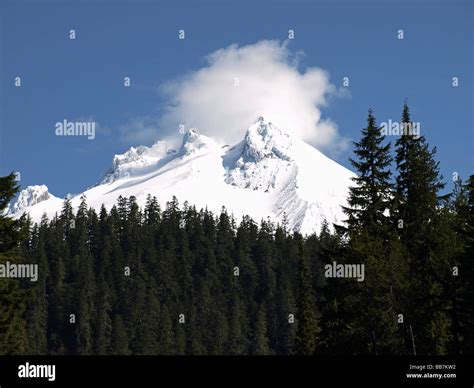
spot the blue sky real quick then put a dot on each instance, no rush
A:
(83, 78)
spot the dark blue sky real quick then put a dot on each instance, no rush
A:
(83, 78)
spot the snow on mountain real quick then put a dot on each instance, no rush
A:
(193, 142)
(271, 173)
(262, 158)
(136, 161)
(31, 196)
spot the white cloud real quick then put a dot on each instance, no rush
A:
(269, 85)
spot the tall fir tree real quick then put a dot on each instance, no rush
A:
(416, 213)
(306, 317)
(464, 290)
(13, 299)
(370, 245)
(369, 199)
(37, 311)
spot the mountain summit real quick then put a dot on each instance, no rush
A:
(270, 173)
(263, 140)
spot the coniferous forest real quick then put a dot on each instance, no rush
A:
(171, 279)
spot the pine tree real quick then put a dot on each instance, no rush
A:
(85, 283)
(464, 290)
(416, 215)
(336, 318)
(103, 325)
(224, 252)
(37, 312)
(417, 184)
(283, 327)
(369, 199)
(371, 305)
(306, 317)
(248, 275)
(13, 335)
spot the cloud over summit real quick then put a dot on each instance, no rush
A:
(240, 83)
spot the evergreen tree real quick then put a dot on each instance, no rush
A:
(13, 335)
(370, 244)
(463, 289)
(306, 318)
(416, 215)
(283, 329)
(369, 199)
(37, 311)
(84, 284)
(103, 325)
(336, 318)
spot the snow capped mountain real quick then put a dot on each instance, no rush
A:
(193, 142)
(31, 196)
(271, 173)
(261, 158)
(136, 161)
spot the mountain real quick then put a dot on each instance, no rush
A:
(270, 173)
(31, 196)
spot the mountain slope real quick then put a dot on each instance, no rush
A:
(269, 174)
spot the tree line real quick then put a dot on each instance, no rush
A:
(170, 279)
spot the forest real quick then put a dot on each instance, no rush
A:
(170, 279)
